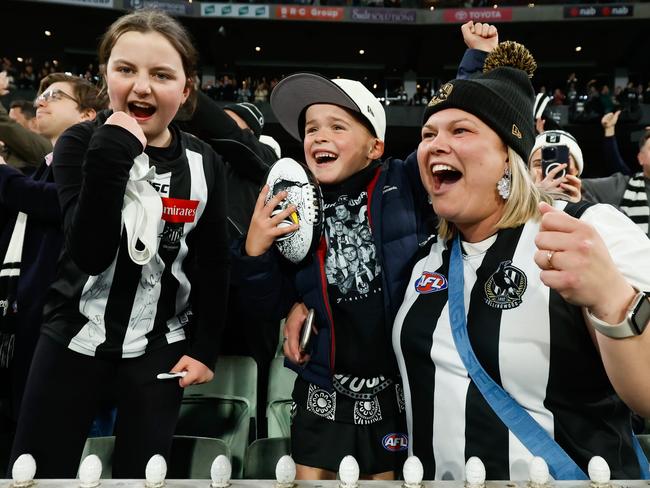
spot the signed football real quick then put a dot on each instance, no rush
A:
(303, 192)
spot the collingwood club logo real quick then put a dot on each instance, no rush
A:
(505, 287)
(442, 94)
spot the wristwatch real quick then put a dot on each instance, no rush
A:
(635, 321)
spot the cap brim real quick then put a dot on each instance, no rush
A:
(296, 92)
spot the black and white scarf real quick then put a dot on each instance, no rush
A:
(9, 274)
(635, 202)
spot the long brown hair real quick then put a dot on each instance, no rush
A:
(151, 20)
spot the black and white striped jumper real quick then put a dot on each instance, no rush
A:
(532, 342)
(105, 305)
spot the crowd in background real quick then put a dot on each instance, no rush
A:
(587, 100)
(593, 99)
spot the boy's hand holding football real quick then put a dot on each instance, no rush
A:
(263, 229)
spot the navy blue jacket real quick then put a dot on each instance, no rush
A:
(401, 220)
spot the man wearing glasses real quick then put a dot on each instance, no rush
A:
(21, 147)
(30, 219)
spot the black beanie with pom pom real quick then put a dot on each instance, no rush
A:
(502, 96)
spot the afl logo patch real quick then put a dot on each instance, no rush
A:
(430, 282)
(395, 442)
(505, 287)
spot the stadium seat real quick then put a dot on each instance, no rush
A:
(191, 457)
(262, 456)
(279, 351)
(225, 408)
(219, 416)
(278, 410)
(102, 447)
(233, 376)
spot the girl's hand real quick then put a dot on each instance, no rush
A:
(121, 119)
(197, 372)
(263, 229)
(575, 262)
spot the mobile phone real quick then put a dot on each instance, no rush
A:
(307, 332)
(553, 156)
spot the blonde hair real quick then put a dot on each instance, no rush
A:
(521, 205)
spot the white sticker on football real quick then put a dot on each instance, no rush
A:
(303, 192)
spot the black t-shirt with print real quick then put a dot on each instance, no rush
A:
(354, 283)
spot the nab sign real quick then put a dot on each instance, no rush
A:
(597, 11)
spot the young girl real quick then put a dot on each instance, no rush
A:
(116, 317)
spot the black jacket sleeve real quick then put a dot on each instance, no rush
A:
(38, 199)
(91, 169)
(212, 125)
(613, 157)
(212, 270)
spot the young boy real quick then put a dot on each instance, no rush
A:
(348, 395)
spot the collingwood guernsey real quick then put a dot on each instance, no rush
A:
(105, 305)
(529, 340)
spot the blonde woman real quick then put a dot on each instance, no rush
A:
(542, 295)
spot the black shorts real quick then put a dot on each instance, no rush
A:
(321, 443)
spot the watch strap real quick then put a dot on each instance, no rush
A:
(638, 313)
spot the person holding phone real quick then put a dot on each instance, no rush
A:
(556, 164)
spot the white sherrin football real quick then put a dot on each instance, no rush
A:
(303, 192)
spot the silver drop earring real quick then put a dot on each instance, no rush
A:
(503, 185)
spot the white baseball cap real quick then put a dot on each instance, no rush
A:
(559, 138)
(293, 94)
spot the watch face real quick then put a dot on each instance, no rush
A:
(641, 315)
